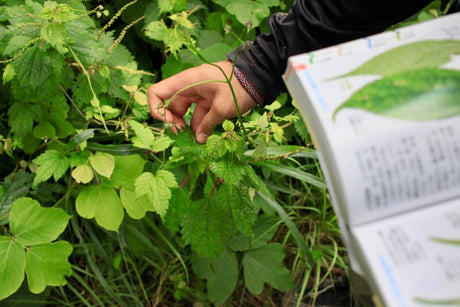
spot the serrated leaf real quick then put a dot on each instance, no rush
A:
(50, 163)
(417, 95)
(55, 34)
(12, 266)
(102, 203)
(36, 68)
(32, 224)
(250, 13)
(88, 50)
(47, 265)
(230, 170)
(156, 30)
(15, 43)
(207, 227)
(157, 188)
(178, 206)
(103, 163)
(161, 144)
(127, 169)
(22, 116)
(15, 186)
(221, 275)
(83, 173)
(144, 136)
(264, 265)
(237, 198)
(418, 55)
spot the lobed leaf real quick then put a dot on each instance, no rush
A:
(12, 266)
(32, 224)
(51, 163)
(47, 265)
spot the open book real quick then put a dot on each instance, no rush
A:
(384, 115)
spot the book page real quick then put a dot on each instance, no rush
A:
(385, 111)
(414, 258)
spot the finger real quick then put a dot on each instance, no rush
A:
(209, 121)
(198, 115)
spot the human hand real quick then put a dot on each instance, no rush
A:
(214, 100)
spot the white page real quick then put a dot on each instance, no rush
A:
(351, 133)
(407, 260)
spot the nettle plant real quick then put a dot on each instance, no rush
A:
(77, 126)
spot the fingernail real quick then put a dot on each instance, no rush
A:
(201, 138)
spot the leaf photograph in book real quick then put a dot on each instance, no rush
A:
(414, 86)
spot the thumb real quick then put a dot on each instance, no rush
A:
(204, 130)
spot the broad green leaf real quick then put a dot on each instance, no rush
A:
(135, 207)
(238, 199)
(127, 169)
(44, 130)
(12, 266)
(50, 163)
(103, 163)
(156, 30)
(55, 34)
(250, 13)
(102, 203)
(87, 49)
(161, 144)
(264, 229)
(32, 224)
(264, 265)
(15, 43)
(83, 173)
(414, 56)
(144, 136)
(157, 188)
(22, 117)
(230, 170)
(58, 13)
(47, 265)
(207, 227)
(16, 185)
(36, 67)
(178, 206)
(221, 275)
(417, 95)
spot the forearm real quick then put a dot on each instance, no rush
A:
(310, 25)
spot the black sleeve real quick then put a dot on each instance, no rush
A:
(310, 25)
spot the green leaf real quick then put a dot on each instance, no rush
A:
(31, 224)
(135, 207)
(178, 206)
(12, 266)
(102, 203)
(250, 13)
(157, 188)
(15, 43)
(87, 49)
(15, 186)
(47, 265)
(36, 68)
(156, 30)
(83, 173)
(423, 54)
(22, 116)
(144, 136)
(264, 265)
(55, 34)
(264, 229)
(238, 199)
(8, 73)
(103, 163)
(221, 275)
(207, 227)
(230, 170)
(44, 130)
(295, 173)
(161, 144)
(50, 163)
(417, 95)
(127, 169)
